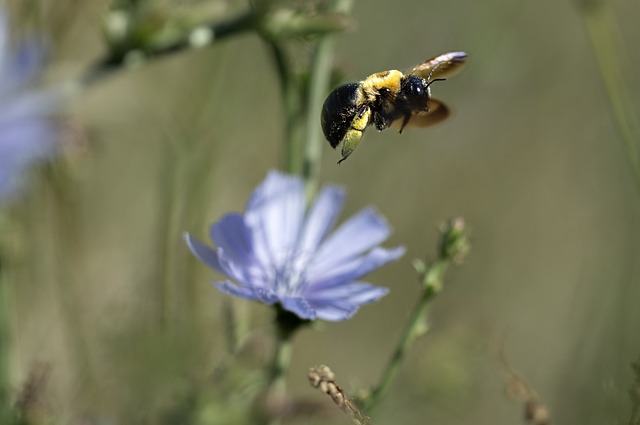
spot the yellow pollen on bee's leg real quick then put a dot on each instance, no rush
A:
(354, 134)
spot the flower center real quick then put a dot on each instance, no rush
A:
(289, 272)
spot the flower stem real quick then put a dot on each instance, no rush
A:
(606, 44)
(117, 60)
(280, 363)
(634, 394)
(452, 249)
(415, 327)
(5, 332)
(292, 107)
(318, 88)
(286, 324)
(320, 72)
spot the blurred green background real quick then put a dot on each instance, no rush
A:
(107, 294)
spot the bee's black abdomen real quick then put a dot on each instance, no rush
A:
(338, 112)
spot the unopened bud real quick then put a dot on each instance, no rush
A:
(454, 242)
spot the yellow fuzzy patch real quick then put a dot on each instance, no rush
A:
(370, 87)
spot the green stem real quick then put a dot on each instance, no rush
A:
(292, 107)
(66, 246)
(277, 387)
(116, 60)
(606, 44)
(165, 275)
(312, 154)
(634, 394)
(286, 324)
(5, 337)
(416, 326)
(318, 88)
(280, 363)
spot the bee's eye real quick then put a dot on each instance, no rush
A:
(384, 91)
(414, 87)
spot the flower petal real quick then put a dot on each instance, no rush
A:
(203, 253)
(212, 258)
(20, 60)
(360, 233)
(299, 306)
(232, 235)
(354, 294)
(321, 218)
(354, 269)
(248, 293)
(342, 302)
(275, 214)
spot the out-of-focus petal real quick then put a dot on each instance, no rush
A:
(204, 253)
(231, 234)
(351, 294)
(299, 306)
(340, 303)
(321, 218)
(355, 268)
(27, 131)
(214, 259)
(359, 234)
(247, 293)
(276, 213)
(335, 313)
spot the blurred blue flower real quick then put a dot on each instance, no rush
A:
(280, 252)
(27, 132)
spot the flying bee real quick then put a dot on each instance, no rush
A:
(387, 98)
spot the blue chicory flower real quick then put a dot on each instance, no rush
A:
(27, 132)
(280, 252)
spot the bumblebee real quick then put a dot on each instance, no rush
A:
(387, 98)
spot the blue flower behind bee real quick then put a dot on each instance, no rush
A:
(27, 132)
(279, 251)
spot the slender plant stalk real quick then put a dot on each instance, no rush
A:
(115, 61)
(318, 88)
(170, 227)
(414, 328)
(286, 325)
(453, 247)
(277, 383)
(292, 107)
(319, 84)
(280, 363)
(5, 336)
(66, 237)
(607, 45)
(634, 394)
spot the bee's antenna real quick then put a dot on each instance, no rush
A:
(431, 73)
(429, 82)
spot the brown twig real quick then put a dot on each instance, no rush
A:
(323, 378)
(517, 388)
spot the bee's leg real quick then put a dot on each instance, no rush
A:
(380, 121)
(376, 118)
(354, 134)
(405, 120)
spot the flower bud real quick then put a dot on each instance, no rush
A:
(454, 242)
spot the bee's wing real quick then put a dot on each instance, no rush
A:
(437, 112)
(442, 66)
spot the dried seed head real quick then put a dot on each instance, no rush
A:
(536, 412)
(323, 378)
